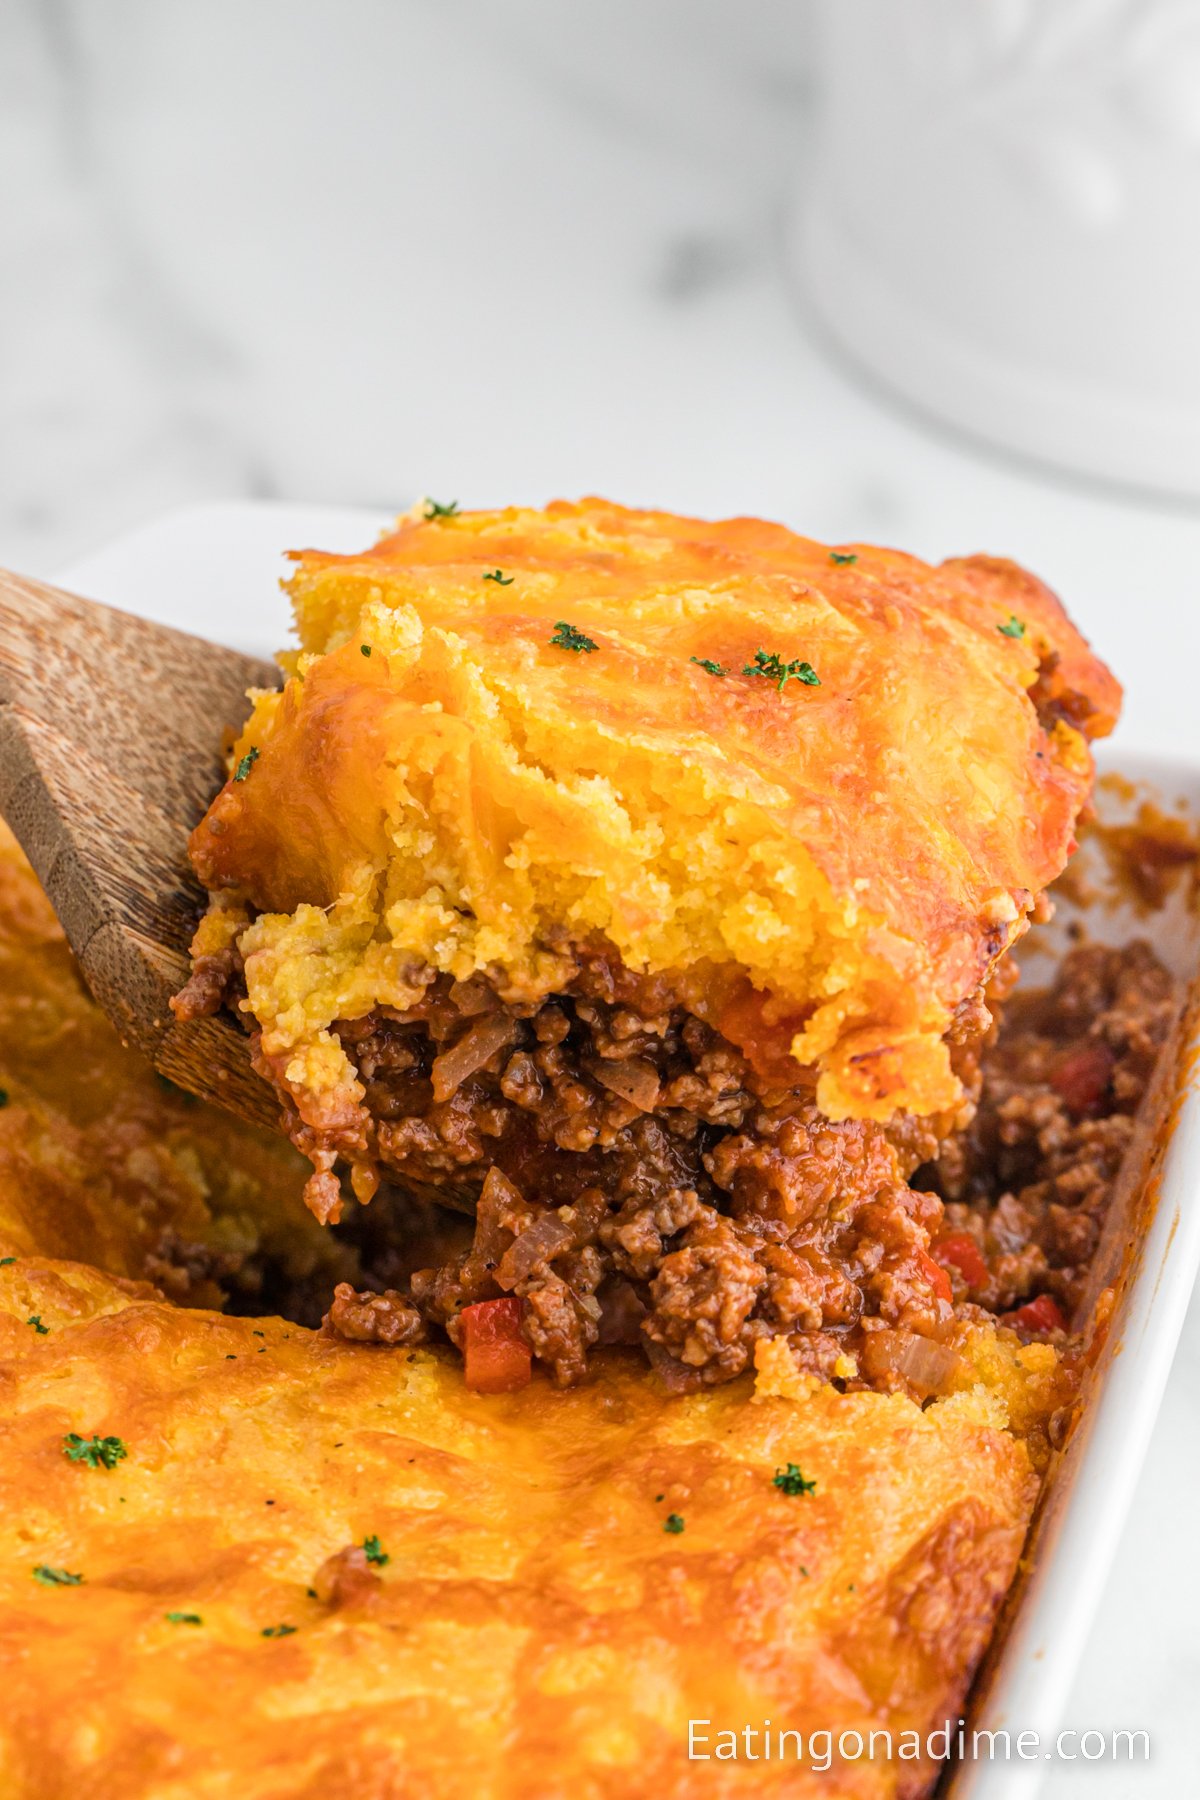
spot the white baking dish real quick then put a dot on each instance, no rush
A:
(213, 569)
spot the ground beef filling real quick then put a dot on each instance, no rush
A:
(1030, 1178)
(627, 1176)
(634, 1181)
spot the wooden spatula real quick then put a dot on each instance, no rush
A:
(110, 738)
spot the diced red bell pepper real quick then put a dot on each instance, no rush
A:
(496, 1358)
(1082, 1077)
(959, 1249)
(1043, 1313)
(936, 1276)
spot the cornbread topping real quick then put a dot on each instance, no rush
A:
(642, 886)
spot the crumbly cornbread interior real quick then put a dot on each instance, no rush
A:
(508, 733)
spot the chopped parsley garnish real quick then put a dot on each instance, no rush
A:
(843, 556)
(5, 1260)
(567, 638)
(773, 667)
(364, 649)
(673, 1523)
(35, 1319)
(55, 1577)
(375, 1552)
(278, 1630)
(790, 1481)
(710, 667)
(247, 763)
(499, 577)
(184, 1618)
(96, 1452)
(3, 1096)
(434, 510)
(1014, 629)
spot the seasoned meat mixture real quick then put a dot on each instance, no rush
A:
(634, 1178)
(1028, 1182)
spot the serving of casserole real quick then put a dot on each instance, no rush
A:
(708, 1247)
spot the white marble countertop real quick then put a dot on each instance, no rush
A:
(501, 250)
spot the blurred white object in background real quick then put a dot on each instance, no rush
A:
(1004, 221)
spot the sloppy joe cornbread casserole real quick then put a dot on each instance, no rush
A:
(644, 885)
(650, 1006)
(237, 1554)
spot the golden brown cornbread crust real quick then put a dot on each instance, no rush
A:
(535, 1631)
(441, 785)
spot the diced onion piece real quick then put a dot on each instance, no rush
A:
(634, 1080)
(498, 1191)
(498, 1202)
(496, 1358)
(541, 1239)
(478, 1044)
(472, 996)
(930, 1367)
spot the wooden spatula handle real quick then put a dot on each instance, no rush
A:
(110, 739)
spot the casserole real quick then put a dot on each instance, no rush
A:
(537, 883)
(1013, 1638)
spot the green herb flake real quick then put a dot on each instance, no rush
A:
(673, 1523)
(35, 1319)
(184, 1618)
(278, 1630)
(710, 667)
(499, 577)
(843, 556)
(364, 649)
(773, 668)
(247, 763)
(434, 509)
(96, 1452)
(567, 638)
(55, 1577)
(790, 1481)
(1015, 627)
(375, 1552)
(3, 1096)
(5, 1260)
